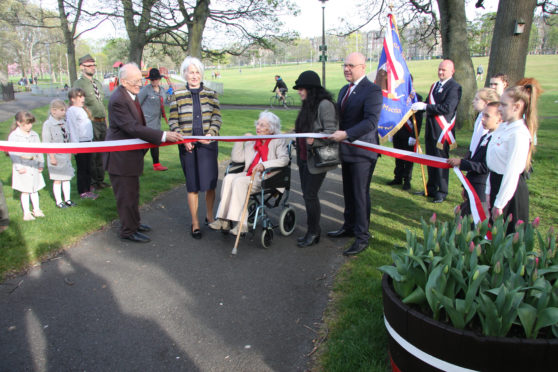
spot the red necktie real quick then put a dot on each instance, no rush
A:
(347, 96)
(140, 112)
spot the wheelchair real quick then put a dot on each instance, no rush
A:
(269, 197)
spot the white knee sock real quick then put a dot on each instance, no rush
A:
(25, 202)
(35, 201)
(57, 191)
(66, 189)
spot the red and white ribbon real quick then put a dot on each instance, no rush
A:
(446, 127)
(137, 144)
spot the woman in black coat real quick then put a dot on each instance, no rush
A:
(317, 115)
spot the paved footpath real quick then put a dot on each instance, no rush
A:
(22, 101)
(175, 304)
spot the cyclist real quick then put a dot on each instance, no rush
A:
(280, 89)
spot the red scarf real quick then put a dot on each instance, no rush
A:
(262, 149)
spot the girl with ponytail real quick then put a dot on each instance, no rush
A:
(509, 154)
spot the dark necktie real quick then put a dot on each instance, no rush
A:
(438, 87)
(140, 112)
(96, 90)
(347, 95)
(480, 143)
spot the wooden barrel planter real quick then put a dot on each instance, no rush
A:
(419, 343)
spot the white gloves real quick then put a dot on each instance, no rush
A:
(418, 106)
(412, 141)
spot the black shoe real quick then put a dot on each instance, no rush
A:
(196, 234)
(61, 205)
(406, 185)
(300, 239)
(394, 181)
(70, 203)
(421, 193)
(438, 200)
(310, 239)
(356, 248)
(137, 237)
(144, 228)
(341, 233)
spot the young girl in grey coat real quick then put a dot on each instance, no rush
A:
(59, 165)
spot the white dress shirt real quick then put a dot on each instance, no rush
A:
(507, 155)
(478, 132)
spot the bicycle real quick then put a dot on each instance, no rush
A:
(275, 101)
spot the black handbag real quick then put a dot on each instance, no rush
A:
(326, 155)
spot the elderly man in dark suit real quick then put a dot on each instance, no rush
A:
(359, 104)
(439, 136)
(124, 167)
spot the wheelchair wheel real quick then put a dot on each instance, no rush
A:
(266, 238)
(252, 206)
(287, 221)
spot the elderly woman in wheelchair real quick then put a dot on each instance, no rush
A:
(256, 156)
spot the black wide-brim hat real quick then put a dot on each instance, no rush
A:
(154, 74)
(307, 79)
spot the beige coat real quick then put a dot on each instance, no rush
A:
(235, 186)
(32, 180)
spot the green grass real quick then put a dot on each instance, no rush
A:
(356, 338)
(26, 243)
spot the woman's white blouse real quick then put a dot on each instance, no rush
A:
(507, 155)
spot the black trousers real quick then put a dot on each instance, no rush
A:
(154, 154)
(83, 165)
(97, 170)
(518, 206)
(356, 192)
(311, 184)
(126, 192)
(403, 168)
(438, 178)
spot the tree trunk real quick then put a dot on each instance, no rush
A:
(453, 24)
(69, 41)
(196, 27)
(508, 54)
(137, 43)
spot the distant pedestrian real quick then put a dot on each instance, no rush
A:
(60, 166)
(36, 80)
(79, 126)
(480, 72)
(27, 167)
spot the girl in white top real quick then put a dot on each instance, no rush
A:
(27, 168)
(59, 165)
(483, 97)
(80, 129)
(509, 154)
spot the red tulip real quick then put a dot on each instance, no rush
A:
(433, 218)
(536, 222)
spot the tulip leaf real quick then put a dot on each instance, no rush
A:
(416, 297)
(527, 316)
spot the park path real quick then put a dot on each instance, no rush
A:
(22, 101)
(175, 304)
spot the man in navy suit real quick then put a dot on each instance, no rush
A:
(124, 167)
(359, 105)
(439, 136)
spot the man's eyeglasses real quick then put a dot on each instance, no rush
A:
(134, 82)
(89, 65)
(350, 65)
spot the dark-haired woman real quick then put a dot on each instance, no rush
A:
(317, 115)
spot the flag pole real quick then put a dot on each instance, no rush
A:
(419, 151)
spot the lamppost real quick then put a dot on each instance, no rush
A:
(323, 47)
